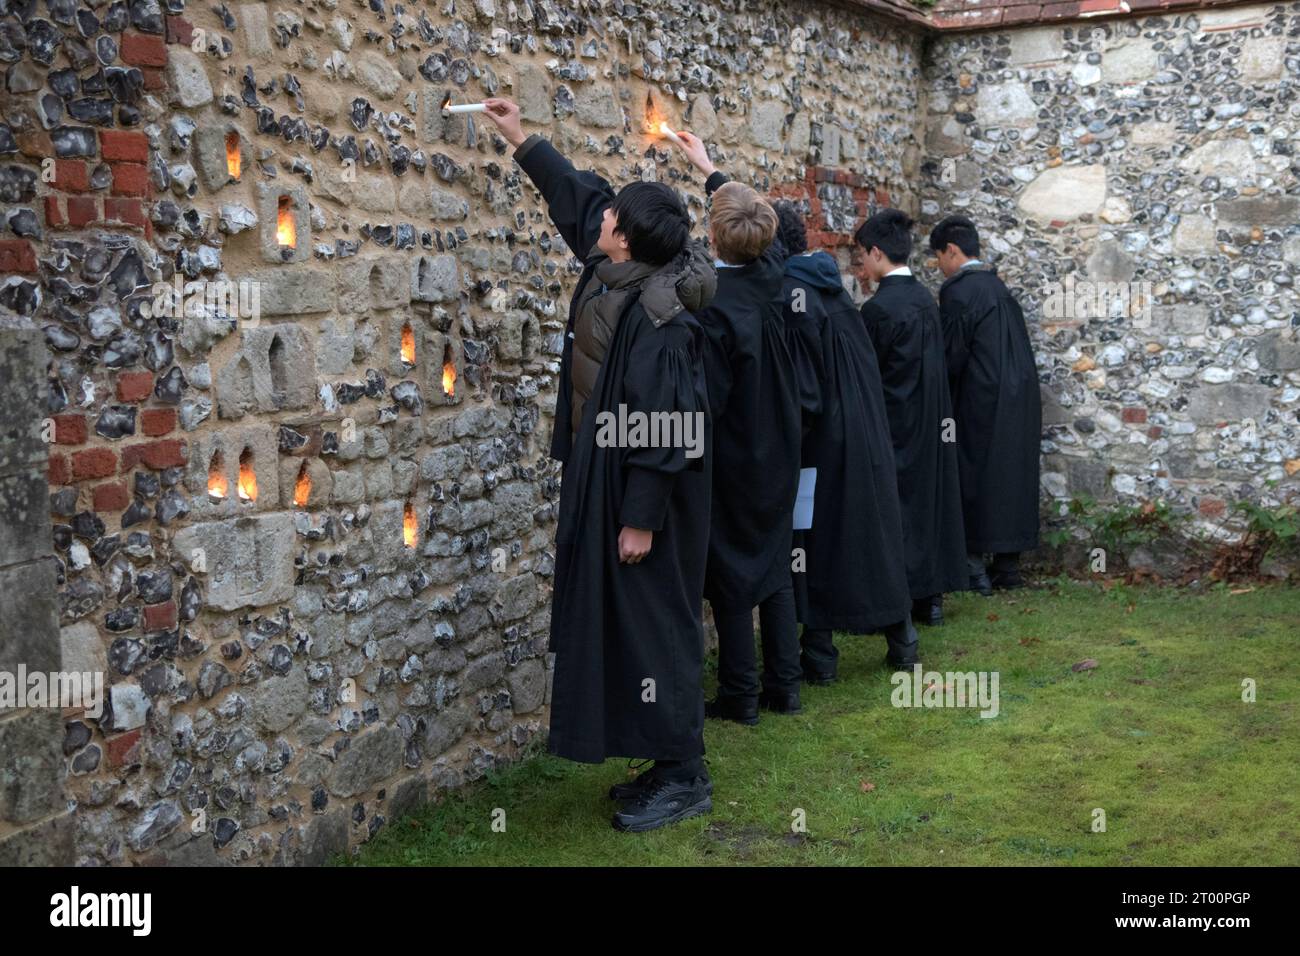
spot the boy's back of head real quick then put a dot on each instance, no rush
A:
(742, 222)
(653, 220)
(790, 227)
(890, 231)
(959, 231)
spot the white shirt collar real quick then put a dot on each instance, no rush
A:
(900, 271)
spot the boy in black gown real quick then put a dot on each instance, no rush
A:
(996, 402)
(855, 579)
(754, 402)
(903, 323)
(632, 533)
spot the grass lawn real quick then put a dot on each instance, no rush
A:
(1157, 735)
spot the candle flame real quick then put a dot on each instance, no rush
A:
(449, 379)
(232, 154)
(286, 233)
(410, 526)
(302, 489)
(218, 487)
(408, 345)
(247, 477)
(446, 102)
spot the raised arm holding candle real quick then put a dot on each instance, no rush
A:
(622, 615)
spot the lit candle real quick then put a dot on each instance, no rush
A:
(667, 131)
(463, 107)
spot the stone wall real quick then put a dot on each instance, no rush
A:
(303, 521)
(1161, 155)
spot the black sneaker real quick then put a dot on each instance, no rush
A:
(662, 803)
(928, 611)
(819, 678)
(781, 703)
(633, 788)
(730, 708)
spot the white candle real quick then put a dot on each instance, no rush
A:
(667, 131)
(466, 108)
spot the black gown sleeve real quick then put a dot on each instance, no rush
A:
(662, 376)
(956, 335)
(804, 321)
(575, 200)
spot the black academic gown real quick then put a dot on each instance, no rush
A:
(998, 409)
(903, 322)
(854, 578)
(755, 406)
(615, 628)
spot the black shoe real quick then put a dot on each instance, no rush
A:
(631, 789)
(980, 582)
(664, 802)
(730, 708)
(781, 703)
(819, 678)
(1006, 580)
(928, 610)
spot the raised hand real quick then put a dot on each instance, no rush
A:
(695, 150)
(505, 114)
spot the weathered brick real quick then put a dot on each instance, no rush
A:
(82, 211)
(59, 472)
(134, 386)
(130, 179)
(71, 175)
(123, 748)
(129, 211)
(129, 146)
(54, 217)
(112, 496)
(160, 617)
(140, 49)
(70, 429)
(17, 255)
(155, 422)
(180, 30)
(93, 463)
(157, 455)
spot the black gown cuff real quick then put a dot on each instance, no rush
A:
(645, 500)
(715, 180)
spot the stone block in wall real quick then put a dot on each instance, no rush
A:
(273, 370)
(1230, 402)
(373, 282)
(23, 357)
(1087, 477)
(1036, 45)
(1065, 193)
(376, 74)
(437, 126)
(1262, 59)
(1133, 61)
(518, 336)
(277, 701)
(29, 629)
(767, 123)
(1183, 318)
(423, 200)
(336, 345)
(946, 138)
(292, 198)
(47, 843)
(208, 149)
(702, 118)
(515, 598)
(532, 91)
(372, 757)
(1006, 104)
(1110, 263)
(254, 30)
(31, 764)
(1221, 157)
(82, 650)
(434, 278)
(596, 105)
(1264, 212)
(527, 686)
(24, 515)
(1195, 235)
(318, 484)
(222, 452)
(249, 560)
(187, 78)
(1278, 351)
(322, 838)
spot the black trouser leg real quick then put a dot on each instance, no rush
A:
(781, 670)
(904, 644)
(737, 662)
(679, 770)
(1007, 562)
(819, 656)
(975, 564)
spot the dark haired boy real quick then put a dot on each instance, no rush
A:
(632, 533)
(997, 405)
(903, 323)
(855, 578)
(753, 397)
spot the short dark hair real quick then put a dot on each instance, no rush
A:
(653, 220)
(790, 229)
(959, 231)
(890, 231)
